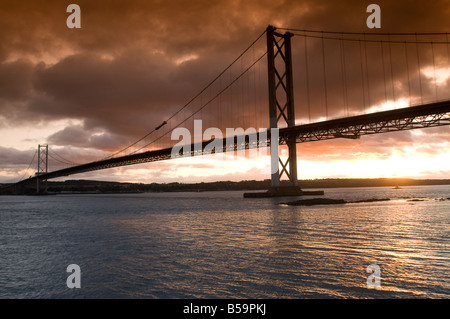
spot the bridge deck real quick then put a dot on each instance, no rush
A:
(427, 115)
(421, 116)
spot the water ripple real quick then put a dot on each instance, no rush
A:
(219, 245)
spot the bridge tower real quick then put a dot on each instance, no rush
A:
(281, 106)
(42, 167)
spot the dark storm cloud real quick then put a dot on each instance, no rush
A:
(176, 26)
(15, 90)
(119, 74)
(78, 136)
(15, 80)
(126, 95)
(11, 157)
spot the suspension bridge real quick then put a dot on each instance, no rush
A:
(346, 85)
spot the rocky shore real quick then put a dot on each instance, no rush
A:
(329, 201)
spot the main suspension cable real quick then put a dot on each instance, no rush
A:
(190, 101)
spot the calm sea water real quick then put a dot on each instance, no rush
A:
(220, 245)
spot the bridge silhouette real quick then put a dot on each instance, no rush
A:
(350, 85)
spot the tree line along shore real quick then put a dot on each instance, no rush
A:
(88, 186)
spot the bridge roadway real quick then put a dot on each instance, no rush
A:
(413, 117)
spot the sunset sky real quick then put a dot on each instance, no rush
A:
(92, 91)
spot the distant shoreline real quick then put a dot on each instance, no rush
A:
(102, 187)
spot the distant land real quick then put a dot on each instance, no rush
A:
(89, 186)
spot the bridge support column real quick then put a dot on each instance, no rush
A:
(42, 167)
(282, 114)
(281, 102)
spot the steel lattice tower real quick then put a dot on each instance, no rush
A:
(281, 101)
(42, 167)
